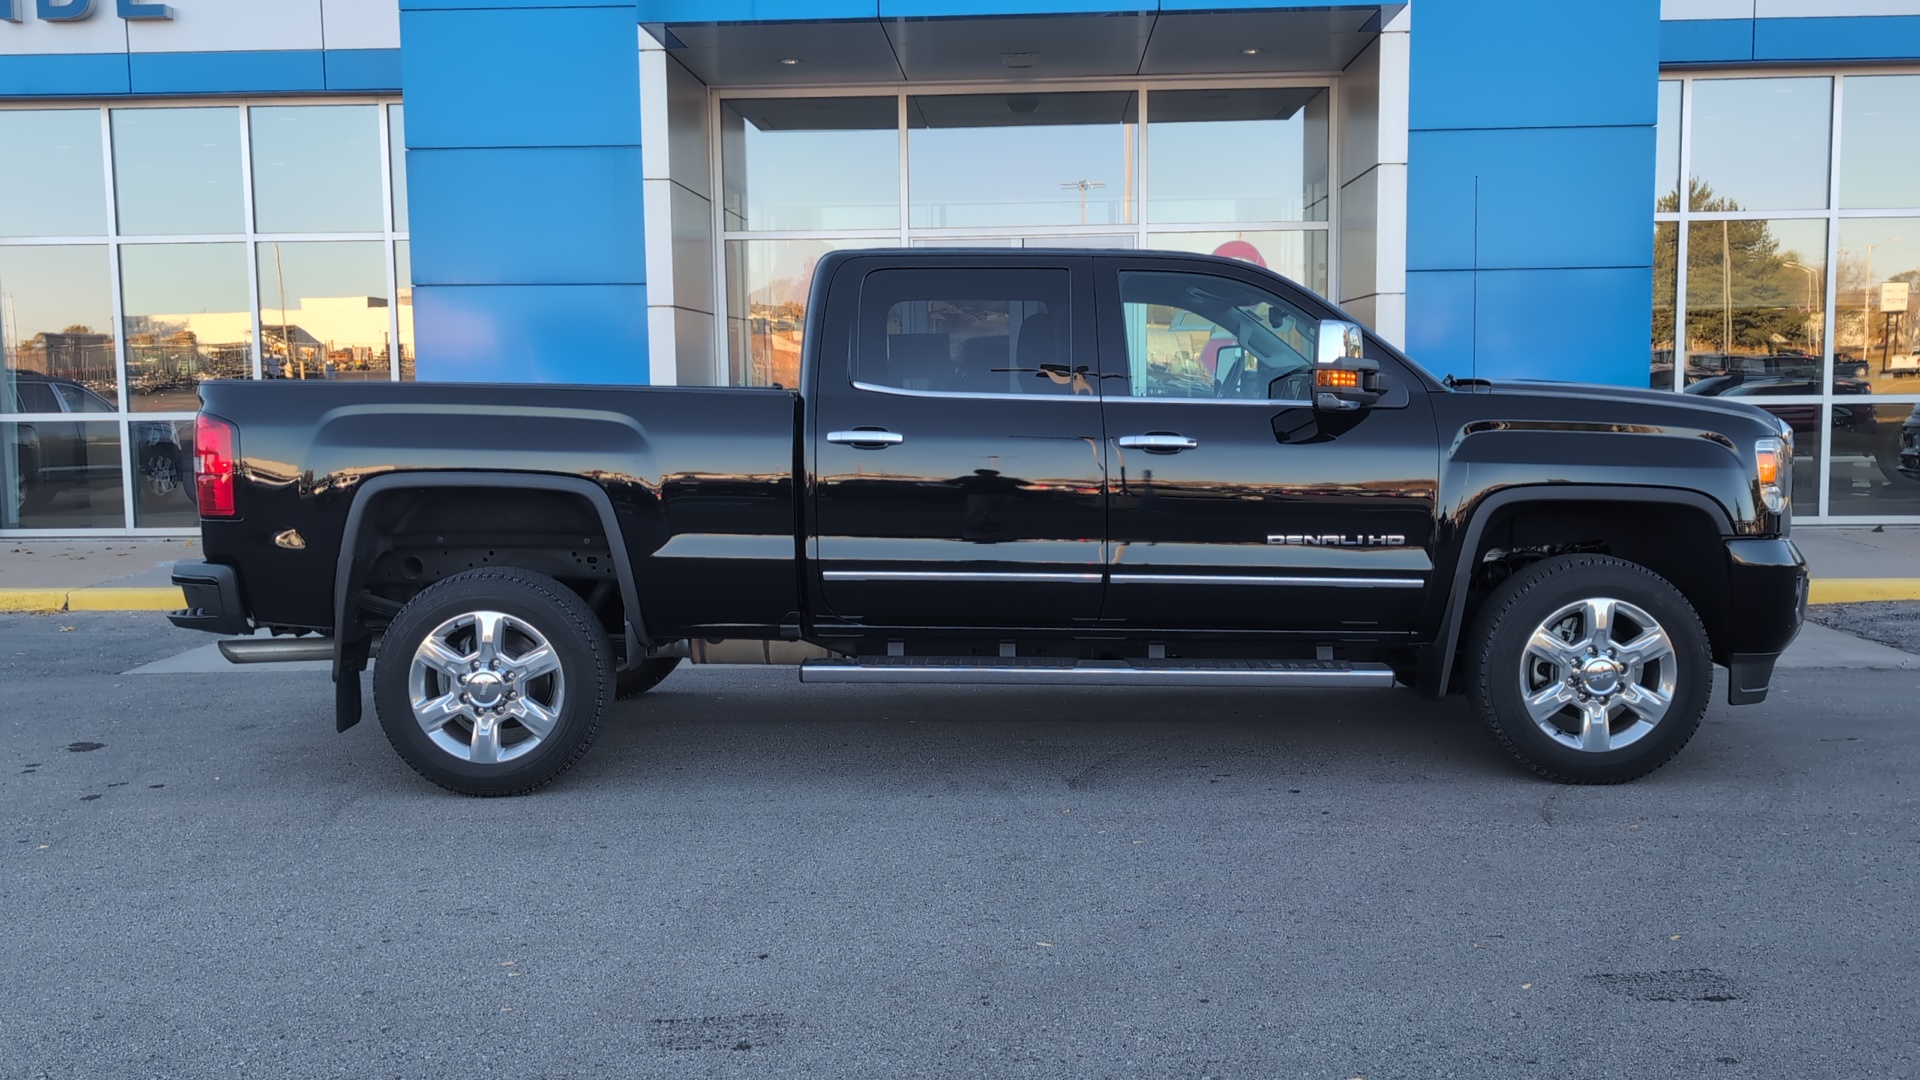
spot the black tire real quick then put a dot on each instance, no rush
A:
(580, 685)
(631, 684)
(1501, 667)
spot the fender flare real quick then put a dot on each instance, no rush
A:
(1435, 668)
(349, 655)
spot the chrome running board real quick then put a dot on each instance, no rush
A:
(1036, 671)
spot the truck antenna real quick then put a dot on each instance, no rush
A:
(1473, 369)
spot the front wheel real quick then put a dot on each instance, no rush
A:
(1589, 669)
(493, 682)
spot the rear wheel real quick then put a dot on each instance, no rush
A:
(1589, 669)
(492, 682)
(631, 684)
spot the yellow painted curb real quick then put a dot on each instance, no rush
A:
(1855, 590)
(33, 599)
(150, 598)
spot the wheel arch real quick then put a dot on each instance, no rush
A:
(355, 558)
(1707, 593)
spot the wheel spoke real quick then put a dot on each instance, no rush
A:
(1652, 644)
(1648, 701)
(485, 744)
(434, 714)
(439, 656)
(1549, 700)
(1547, 645)
(1599, 615)
(541, 661)
(488, 627)
(1594, 736)
(535, 717)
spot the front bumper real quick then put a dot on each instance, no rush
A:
(213, 599)
(1767, 592)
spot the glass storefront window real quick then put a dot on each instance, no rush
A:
(324, 311)
(60, 473)
(316, 168)
(1876, 348)
(177, 171)
(1253, 154)
(163, 495)
(1666, 263)
(1879, 162)
(397, 154)
(767, 283)
(56, 318)
(57, 151)
(1875, 465)
(1300, 255)
(403, 307)
(188, 318)
(1760, 144)
(1756, 305)
(1022, 160)
(810, 163)
(1666, 154)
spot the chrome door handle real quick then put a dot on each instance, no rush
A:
(866, 439)
(1159, 442)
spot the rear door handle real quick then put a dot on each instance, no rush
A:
(866, 438)
(1161, 442)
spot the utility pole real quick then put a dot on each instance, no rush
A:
(1083, 186)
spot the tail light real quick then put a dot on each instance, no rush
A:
(215, 450)
(1773, 462)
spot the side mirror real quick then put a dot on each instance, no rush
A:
(1342, 377)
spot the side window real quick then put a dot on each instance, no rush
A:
(36, 397)
(80, 399)
(968, 331)
(1214, 338)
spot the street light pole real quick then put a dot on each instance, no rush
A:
(1083, 186)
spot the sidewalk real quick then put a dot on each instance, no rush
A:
(1848, 564)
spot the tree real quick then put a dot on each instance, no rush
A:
(1742, 293)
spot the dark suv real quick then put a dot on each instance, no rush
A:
(51, 456)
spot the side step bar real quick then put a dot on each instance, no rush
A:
(1024, 671)
(276, 650)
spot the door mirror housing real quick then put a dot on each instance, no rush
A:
(1343, 378)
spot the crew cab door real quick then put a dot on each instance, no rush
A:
(955, 443)
(1234, 505)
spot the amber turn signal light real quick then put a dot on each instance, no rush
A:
(1337, 378)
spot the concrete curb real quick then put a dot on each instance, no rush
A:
(100, 598)
(169, 597)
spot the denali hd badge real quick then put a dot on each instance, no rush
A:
(1339, 540)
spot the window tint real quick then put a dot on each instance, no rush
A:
(80, 399)
(1214, 338)
(35, 397)
(981, 331)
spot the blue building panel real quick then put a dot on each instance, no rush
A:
(521, 77)
(1889, 37)
(265, 72)
(527, 216)
(1548, 197)
(531, 333)
(1521, 63)
(1440, 307)
(708, 12)
(63, 74)
(1532, 324)
(1706, 41)
(363, 69)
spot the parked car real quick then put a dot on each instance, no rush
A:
(56, 455)
(987, 477)
(1910, 445)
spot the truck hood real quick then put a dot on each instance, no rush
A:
(1599, 396)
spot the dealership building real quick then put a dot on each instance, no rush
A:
(1702, 196)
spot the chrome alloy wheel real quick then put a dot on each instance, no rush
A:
(163, 476)
(486, 687)
(1598, 674)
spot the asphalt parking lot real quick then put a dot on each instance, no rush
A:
(748, 877)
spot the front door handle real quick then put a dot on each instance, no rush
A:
(1159, 442)
(866, 438)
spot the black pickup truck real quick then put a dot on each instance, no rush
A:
(1023, 469)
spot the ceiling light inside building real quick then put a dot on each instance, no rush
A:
(789, 61)
(1251, 52)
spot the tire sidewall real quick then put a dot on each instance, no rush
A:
(584, 661)
(1496, 681)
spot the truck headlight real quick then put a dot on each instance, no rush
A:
(1773, 462)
